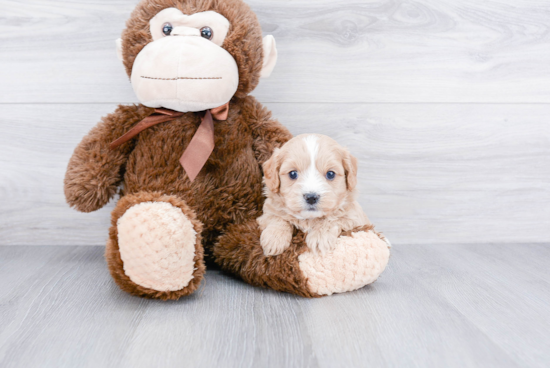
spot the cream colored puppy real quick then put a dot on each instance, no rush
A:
(309, 184)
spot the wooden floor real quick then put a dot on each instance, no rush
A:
(435, 306)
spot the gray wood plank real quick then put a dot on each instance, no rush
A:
(428, 174)
(435, 305)
(493, 287)
(330, 51)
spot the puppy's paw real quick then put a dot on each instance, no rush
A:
(274, 241)
(322, 241)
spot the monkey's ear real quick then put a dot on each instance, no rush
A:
(270, 56)
(119, 48)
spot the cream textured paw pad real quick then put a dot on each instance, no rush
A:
(157, 246)
(356, 261)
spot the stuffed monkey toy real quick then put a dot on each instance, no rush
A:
(187, 161)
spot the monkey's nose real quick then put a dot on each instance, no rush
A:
(311, 198)
(185, 31)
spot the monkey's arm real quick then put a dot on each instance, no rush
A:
(95, 171)
(267, 132)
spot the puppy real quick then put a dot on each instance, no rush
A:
(310, 184)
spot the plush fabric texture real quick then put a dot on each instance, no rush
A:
(113, 254)
(183, 71)
(94, 171)
(184, 74)
(226, 196)
(359, 258)
(228, 190)
(356, 261)
(243, 41)
(190, 24)
(157, 245)
(270, 56)
(239, 252)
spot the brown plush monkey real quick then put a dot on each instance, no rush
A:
(189, 160)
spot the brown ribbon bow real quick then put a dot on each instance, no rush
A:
(201, 146)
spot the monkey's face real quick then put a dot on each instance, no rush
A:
(194, 55)
(185, 68)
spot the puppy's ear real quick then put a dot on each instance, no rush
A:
(271, 171)
(350, 167)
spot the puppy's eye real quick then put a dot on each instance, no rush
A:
(207, 33)
(293, 175)
(330, 175)
(167, 29)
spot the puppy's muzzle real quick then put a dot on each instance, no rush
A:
(311, 198)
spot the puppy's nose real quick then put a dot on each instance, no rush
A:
(311, 198)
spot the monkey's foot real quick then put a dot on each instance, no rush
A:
(360, 256)
(154, 249)
(357, 260)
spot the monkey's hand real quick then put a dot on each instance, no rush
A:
(95, 171)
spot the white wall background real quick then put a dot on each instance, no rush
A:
(446, 103)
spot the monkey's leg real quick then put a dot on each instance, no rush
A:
(154, 248)
(358, 259)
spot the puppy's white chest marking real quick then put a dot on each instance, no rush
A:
(304, 225)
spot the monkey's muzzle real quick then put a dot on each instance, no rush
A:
(184, 73)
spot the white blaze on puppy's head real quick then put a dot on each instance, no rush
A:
(313, 183)
(311, 175)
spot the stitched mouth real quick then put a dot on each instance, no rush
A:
(180, 78)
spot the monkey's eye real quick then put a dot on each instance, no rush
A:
(330, 175)
(167, 29)
(293, 175)
(207, 33)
